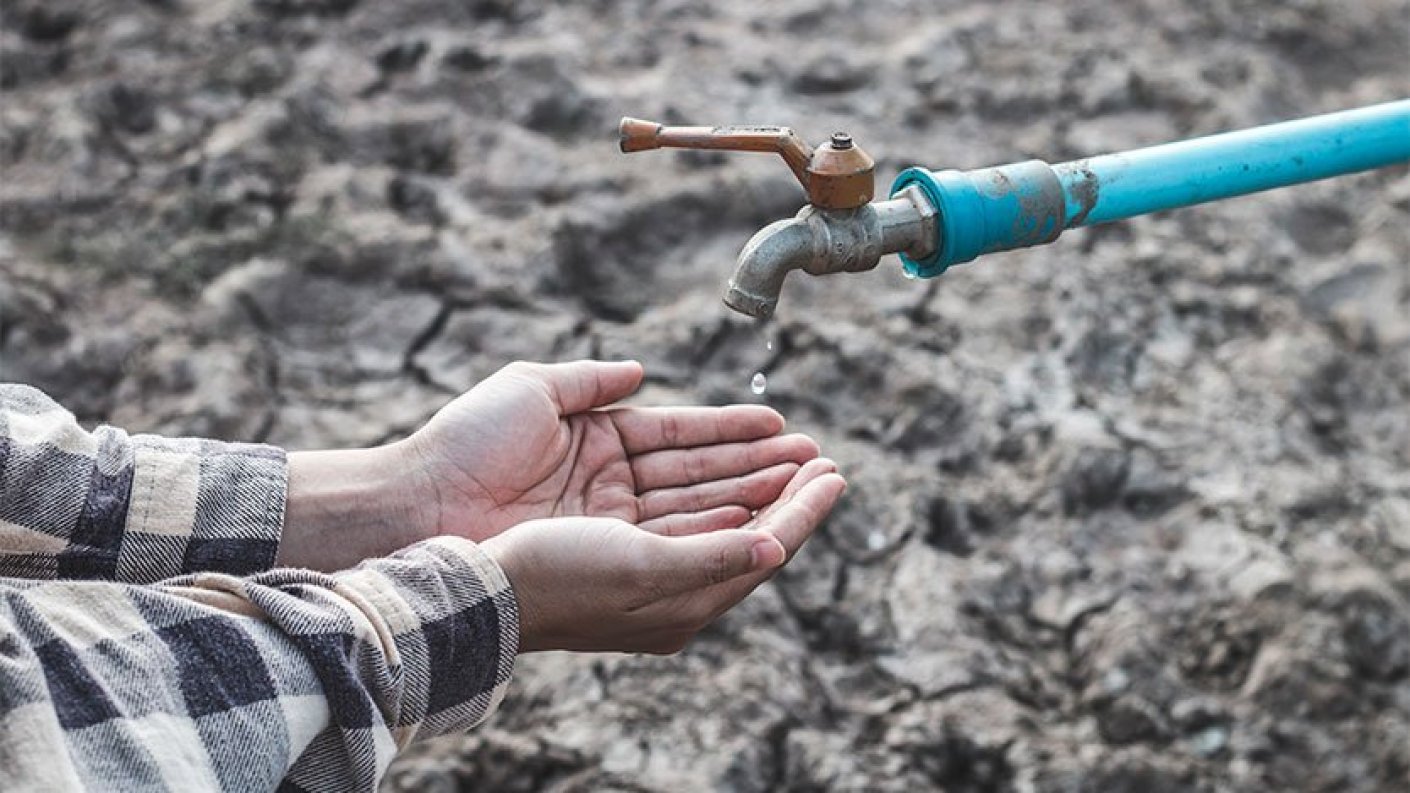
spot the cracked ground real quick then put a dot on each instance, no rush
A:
(1129, 512)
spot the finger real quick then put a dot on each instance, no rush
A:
(811, 470)
(730, 517)
(649, 429)
(677, 467)
(792, 525)
(684, 564)
(751, 490)
(796, 520)
(583, 385)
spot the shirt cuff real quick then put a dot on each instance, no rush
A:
(199, 505)
(455, 625)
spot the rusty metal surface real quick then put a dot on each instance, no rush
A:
(836, 175)
(637, 135)
(840, 175)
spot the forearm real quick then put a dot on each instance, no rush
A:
(348, 505)
(217, 682)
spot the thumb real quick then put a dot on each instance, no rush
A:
(697, 561)
(583, 385)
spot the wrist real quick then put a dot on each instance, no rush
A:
(352, 504)
(500, 549)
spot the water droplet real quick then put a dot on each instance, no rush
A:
(876, 541)
(1116, 680)
(759, 384)
(910, 276)
(1211, 740)
(769, 345)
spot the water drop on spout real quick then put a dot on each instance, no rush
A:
(759, 384)
(910, 276)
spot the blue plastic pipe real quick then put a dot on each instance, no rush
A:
(1031, 203)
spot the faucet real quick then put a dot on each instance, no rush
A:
(840, 230)
(822, 241)
(935, 219)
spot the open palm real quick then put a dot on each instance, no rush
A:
(540, 440)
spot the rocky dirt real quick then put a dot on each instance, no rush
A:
(1130, 512)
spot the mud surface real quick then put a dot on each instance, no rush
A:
(1130, 512)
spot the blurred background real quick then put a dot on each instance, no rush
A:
(1129, 512)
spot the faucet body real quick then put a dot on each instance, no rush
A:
(824, 241)
(938, 219)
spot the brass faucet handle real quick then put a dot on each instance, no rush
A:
(638, 135)
(836, 175)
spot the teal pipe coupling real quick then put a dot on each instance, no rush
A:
(991, 209)
(1031, 203)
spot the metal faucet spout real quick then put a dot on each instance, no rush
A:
(768, 257)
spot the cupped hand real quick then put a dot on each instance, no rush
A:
(541, 440)
(601, 584)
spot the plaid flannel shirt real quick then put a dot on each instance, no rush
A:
(146, 644)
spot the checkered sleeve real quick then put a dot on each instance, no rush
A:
(287, 679)
(135, 508)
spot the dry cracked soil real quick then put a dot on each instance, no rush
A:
(1130, 512)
